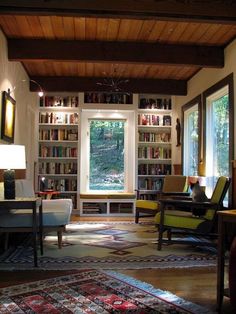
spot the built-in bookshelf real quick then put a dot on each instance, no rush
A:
(108, 98)
(58, 145)
(154, 143)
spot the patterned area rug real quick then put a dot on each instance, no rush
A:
(107, 246)
(93, 291)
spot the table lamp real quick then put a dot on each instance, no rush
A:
(11, 157)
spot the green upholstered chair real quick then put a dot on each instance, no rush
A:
(180, 219)
(173, 185)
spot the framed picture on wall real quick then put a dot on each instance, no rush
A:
(8, 117)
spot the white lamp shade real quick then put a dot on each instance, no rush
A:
(12, 157)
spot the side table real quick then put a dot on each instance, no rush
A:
(48, 194)
(224, 217)
(29, 203)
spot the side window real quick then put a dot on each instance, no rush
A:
(191, 117)
(218, 131)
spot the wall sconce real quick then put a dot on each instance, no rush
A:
(12, 157)
(40, 92)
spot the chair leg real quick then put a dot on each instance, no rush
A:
(169, 234)
(6, 241)
(136, 216)
(59, 237)
(160, 235)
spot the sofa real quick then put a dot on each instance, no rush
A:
(56, 213)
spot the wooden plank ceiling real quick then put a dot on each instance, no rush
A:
(154, 46)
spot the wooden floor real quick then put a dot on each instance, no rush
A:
(195, 285)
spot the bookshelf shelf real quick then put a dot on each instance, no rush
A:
(58, 144)
(154, 145)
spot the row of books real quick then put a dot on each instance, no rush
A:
(58, 168)
(157, 103)
(108, 98)
(58, 135)
(58, 101)
(94, 208)
(153, 119)
(62, 185)
(58, 117)
(154, 137)
(154, 169)
(57, 151)
(154, 152)
(150, 184)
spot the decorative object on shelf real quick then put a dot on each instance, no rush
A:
(178, 132)
(8, 117)
(12, 157)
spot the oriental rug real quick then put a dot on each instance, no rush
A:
(93, 291)
(108, 246)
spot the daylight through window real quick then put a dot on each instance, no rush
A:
(106, 158)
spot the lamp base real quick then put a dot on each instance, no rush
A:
(9, 184)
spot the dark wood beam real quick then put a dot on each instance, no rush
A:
(208, 11)
(85, 84)
(123, 52)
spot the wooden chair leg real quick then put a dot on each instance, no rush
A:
(6, 241)
(136, 216)
(160, 235)
(169, 234)
(59, 236)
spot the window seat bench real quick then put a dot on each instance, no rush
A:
(109, 204)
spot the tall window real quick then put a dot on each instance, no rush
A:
(218, 132)
(191, 137)
(107, 155)
(107, 151)
(217, 136)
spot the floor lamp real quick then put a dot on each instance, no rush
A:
(11, 157)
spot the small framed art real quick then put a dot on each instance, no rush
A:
(8, 117)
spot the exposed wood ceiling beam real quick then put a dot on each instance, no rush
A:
(83, 84)
(210, 11)
(126, 52)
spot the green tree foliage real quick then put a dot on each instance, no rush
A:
(221, 135)
(106, 155)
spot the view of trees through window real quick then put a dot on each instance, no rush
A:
(217, 138)
(106, 155)
(221, 136)
(193, 143)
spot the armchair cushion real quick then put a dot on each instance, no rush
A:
(171, 218)
(147, 204)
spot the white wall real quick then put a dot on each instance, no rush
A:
(12, 75)
(202, 81)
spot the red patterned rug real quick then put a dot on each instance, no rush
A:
(93, 291)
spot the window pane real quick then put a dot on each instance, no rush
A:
(191, 141)
(217, 145)
(106, 155)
